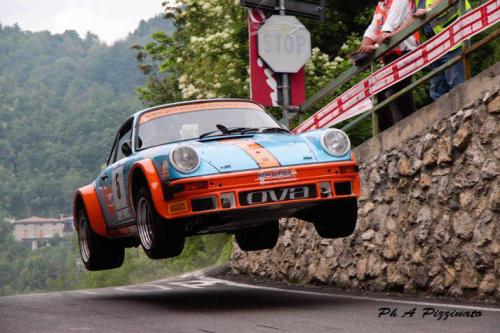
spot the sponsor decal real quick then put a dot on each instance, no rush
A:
(151, 115)
(275, 176)
(277, 195)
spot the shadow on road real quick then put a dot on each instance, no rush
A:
(228, 300)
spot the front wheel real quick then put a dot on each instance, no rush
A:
(261, 237)
(336, 219)
(159, 238)
(97, 253)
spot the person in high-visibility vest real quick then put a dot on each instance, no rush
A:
(387, 18)
(453, 76)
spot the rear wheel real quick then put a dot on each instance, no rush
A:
(159, 238)
(336, 219)
(261, 237)
(97, 253)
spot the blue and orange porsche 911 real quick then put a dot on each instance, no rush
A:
(212, 166)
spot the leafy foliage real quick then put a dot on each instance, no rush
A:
(207, 56)
(58, 266)
(61, 100)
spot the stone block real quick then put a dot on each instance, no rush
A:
(494, 105)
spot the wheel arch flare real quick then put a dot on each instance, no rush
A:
(86, 198)
(144, 171)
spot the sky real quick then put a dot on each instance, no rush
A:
(111, 20)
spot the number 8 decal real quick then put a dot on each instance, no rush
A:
(120, 200)
(118, 191)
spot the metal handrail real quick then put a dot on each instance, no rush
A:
(380, 52)
(349, 74)
(465, 53)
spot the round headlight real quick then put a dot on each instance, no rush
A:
(184, 159)
(335, 142)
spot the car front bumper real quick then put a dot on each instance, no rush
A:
(243, 191)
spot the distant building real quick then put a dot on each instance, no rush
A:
(35, 230)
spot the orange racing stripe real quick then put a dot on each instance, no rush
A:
(261, 155)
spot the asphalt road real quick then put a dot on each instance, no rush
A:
(198, 303)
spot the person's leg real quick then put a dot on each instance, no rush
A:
(438, 85)
(448, 79)
(455, 75)
(384, 115)
(404, 105)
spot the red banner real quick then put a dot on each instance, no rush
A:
(357, 99)
(263, 80)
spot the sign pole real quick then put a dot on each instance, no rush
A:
(285, 84)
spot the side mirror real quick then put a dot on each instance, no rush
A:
(126, 148)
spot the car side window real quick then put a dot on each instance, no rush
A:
(124, 135)
(111, 157)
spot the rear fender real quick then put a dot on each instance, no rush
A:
(148, 170)
(88, 196)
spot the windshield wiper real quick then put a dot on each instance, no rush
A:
(225, 130)
(243, 130)
(266, 130)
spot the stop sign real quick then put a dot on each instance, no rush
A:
(284, 44)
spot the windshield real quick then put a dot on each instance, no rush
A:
(191, 125)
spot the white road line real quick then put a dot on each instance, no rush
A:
(137, 288)
(199, 283)
(384, 300)
(193, 275)
(87, 292)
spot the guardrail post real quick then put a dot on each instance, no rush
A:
(285, 82)
(375, 127)
(466, 44)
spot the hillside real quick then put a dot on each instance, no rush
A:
(61, 99)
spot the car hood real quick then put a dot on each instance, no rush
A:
(258, 151)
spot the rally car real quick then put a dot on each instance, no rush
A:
(212, 166)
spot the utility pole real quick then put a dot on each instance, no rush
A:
(285, 84)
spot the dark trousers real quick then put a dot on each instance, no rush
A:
(448, 79)
(398, 109)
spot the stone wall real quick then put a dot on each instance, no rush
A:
(429, 211)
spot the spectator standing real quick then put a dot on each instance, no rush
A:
(389, 15)
(454, 75)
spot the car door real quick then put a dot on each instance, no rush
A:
(105, 190)
(119, 178)
(111, 184)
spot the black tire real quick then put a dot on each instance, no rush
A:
(336, 218)
(97, 253)
(261, 237)
(159, 238)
